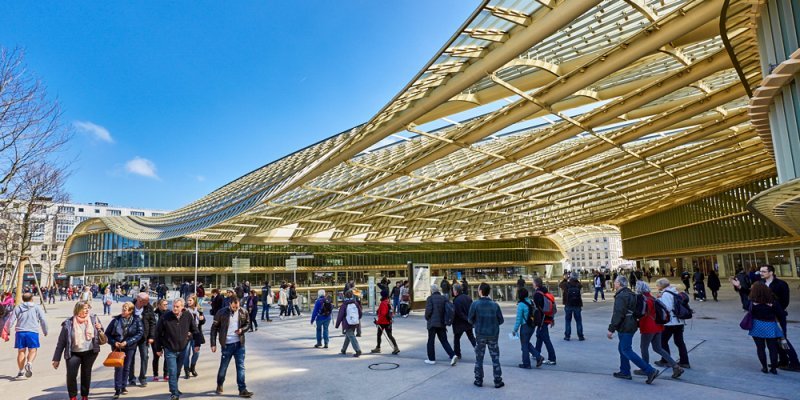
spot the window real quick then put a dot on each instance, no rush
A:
(137, 213)
(44, 247)
(53, 257)
(66, 210)
(80, 209)
(64, 228)
(157, 214)
(97, 211)
(55, 248)
(113, 213)
(37, 231)
(44, 257)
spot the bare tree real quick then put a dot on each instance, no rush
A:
(30, 128)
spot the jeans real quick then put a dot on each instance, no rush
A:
(395, 303)
(121, 374)
(599, 290)
(388, 329)
(675, 331)
(291, 309)
(350, 337)
(442, 334)
(570, 311)
(494, 353)
(264, 311)
(543, 336)
(83, 361)
(106, 309)
(525, 335)
(171, 361)
(188, 361)
(322, 331)
(235, 350)
(457, 332)
(627, 355)
(253, 316)
(141, 347)
(655, 339)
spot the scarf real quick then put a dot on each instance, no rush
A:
(86, 322)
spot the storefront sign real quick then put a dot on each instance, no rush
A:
(422, 281)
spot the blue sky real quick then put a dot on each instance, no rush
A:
(171, 100)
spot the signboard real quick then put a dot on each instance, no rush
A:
(241, 265)
(291, 264)
(422, 281)
(371, 291)
(144, 282)
(61, 276)
(302, 255)
(119, 276)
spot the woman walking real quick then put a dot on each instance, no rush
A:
(107, 299)
(651, 333)
(384, 323)
(79, 343)
(765, 330)
(161, 309)
(252, 310)
(124, 333)
(283, 301)
(405, 299)
(525, 326)
(190, 355)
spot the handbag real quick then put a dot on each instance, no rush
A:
(115, 359)
(102, 339)
(782, 342)
(747, 321)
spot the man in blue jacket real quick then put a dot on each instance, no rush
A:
(486, 317)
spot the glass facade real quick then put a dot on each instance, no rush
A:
(105, 253)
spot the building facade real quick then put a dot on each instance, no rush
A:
(602, 252)
(50, 226)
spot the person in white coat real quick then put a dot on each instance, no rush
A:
(283, 300)
(673, 328)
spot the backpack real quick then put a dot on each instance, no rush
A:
(639, 307)
(351, 314)
(449, 313)
(680, 306)
(662, 314)
(573, 296)
(532, 320)
(327, 308)
(549, 306)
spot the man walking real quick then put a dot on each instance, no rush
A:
(599, 284)
(623, 322)
(171, 337)
(434, 314)
(699, 286)
(230, 324)
(266, 301)
(486, 317)
(572, 307)
(461, 324)
(146, 313)
(26, 319)
(543, 330)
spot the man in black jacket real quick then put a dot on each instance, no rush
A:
(573, 304)
(216, 301)
(171, 336)
(434, 314)
(147, 314)
(230, 324)
(461, 324)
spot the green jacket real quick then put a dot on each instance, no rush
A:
(622, 320)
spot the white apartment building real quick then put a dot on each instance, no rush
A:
(50, 226)
(596, 253)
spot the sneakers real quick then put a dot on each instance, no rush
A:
(548, 362)
(143, 382)
(523, 366)
(639, 372)
(116, 396)
(316, 346)
(124, 391)
(342, 352)
(677, 372)
(652, 376)
(453, 361)
(581, 338)
(375, 350)
(620, 375)
(661, 363)
(155, 378)
(28, 372)
(325, 347)
(21, 374)
(245, 394)
(478, 383)
(358, 354)
(566, 338)
(539, 362)
(219, 390)
(498, 385)
(396, 351)
(430, 362)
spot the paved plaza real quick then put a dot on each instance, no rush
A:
(282, 362)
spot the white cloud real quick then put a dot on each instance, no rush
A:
(99, 132)
(142, 166)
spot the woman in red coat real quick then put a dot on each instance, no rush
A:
(384, 323)
(651, 332)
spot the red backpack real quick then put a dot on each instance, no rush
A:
(549, 307)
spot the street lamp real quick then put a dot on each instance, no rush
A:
(196, 258)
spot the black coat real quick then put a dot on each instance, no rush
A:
(462, 303)
(713, 282)
(148, 322)
(173, 333)
(222, 320)
(216, 303)
(781, 291)
(434, 310)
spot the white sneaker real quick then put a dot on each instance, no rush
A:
(454, 361)
(430, 362)
(28, 372)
